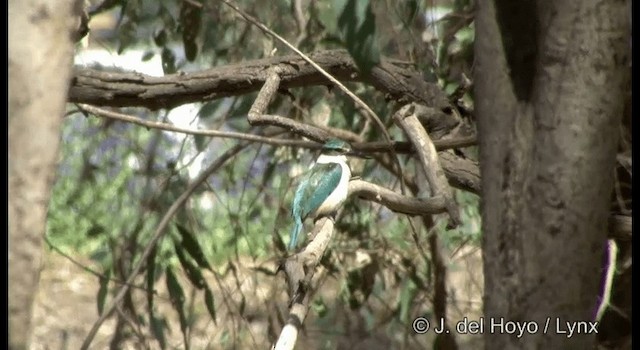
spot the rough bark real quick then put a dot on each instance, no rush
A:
(40, 60)
(548, 131)
(120, 89)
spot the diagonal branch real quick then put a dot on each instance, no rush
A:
(370, 114)
(159, 233)
(299, 270)
(267, 93)
(406, 119)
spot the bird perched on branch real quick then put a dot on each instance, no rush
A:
(323, 188)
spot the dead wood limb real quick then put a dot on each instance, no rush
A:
(395, 201)
(257, 116)
(131, 89)
(463, 173)
(407, 120)
(299, 270)
(365, 147)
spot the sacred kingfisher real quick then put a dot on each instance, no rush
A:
(322, 188)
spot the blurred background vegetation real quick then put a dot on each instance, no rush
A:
(116, 180)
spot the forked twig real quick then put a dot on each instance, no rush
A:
(370, 113)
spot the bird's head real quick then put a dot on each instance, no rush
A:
(335, 147)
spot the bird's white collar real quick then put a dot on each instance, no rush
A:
(324, 159)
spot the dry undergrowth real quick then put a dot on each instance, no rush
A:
(66, 308)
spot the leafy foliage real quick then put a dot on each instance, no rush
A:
(116, 180)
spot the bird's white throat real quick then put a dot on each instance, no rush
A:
(325, 159)
(339, 194)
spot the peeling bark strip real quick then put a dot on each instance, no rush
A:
(131, 89)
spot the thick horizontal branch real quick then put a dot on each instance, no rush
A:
(131, 89)
(396, 202)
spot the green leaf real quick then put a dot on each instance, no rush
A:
(268, 172)
(102, 291)
(408, 11)
(160, 38)
(208, 109)
(243, 305)
(320, 308)
(157, 328)
(190, 50)
(357, 27)
(166, 16)
(148, 55)
(126, 35)
(327, 16)
(193, 248)
(190, 21)
(201, 142)
(240, 111)
(209, 302)
(150, 278)
(95, 230)
(176, 295)
(407, 294)
(193, 274)
(168, 61)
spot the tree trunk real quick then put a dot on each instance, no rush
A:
(40, 58)
(550, 80)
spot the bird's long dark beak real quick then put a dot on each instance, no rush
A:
(358, 154)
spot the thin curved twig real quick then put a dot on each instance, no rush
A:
(92, 271)
(401, 147)
(213, 133)
(159, 233)
(370, 113)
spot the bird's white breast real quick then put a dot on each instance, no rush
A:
(340, 193)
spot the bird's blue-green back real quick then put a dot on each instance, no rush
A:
(315, 186)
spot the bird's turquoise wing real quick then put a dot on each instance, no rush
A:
(317, 185)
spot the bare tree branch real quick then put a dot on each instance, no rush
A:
(131, 89)
(462, 173)
(367, 147)
(395, 201)
(299, 270)
(408, 121)
(267, 93)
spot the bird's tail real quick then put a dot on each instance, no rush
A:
(297, 227)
